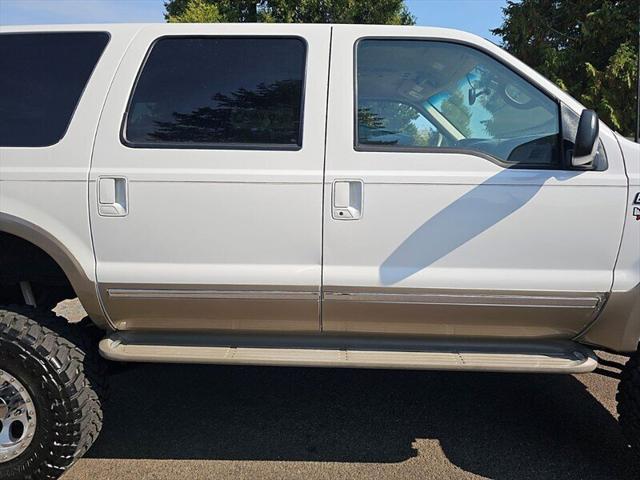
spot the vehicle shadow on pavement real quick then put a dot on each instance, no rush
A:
(501, 426)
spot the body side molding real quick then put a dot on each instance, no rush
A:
(475, 299)
(277, 294)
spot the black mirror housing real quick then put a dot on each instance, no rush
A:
(587, 135)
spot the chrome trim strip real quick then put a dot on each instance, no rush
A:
(480, 300)
(213, 294)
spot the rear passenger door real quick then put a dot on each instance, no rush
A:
(206, 181)
(450, 207)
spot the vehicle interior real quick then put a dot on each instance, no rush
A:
(428, 94)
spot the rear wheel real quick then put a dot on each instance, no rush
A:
(50, 387)
(629, 400)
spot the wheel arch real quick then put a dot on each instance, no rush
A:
(83, 286)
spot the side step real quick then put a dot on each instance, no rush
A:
(548, 357)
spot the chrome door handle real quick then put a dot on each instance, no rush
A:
(347, 198)
(112, 197)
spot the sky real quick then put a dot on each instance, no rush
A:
(475, 16)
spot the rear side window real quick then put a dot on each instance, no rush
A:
(43, 76)
(219, 92)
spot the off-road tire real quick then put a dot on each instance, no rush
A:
(629, 401)
(58, 364)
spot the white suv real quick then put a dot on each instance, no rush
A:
(318, 195)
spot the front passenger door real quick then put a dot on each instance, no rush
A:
(460, 217)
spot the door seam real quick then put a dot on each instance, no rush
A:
(324, 186)
(110, 322)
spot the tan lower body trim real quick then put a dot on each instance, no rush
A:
(618, 326)
(458, 313)
(243, 308)
(377, 311)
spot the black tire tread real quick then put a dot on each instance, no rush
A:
(75, 373)
(628, 399)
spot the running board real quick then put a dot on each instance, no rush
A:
(549, 357)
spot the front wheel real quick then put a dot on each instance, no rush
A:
(50, 411)
(629, 401)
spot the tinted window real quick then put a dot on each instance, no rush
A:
(466, 99)
(219, 92)
(396, 123)
(43, 76)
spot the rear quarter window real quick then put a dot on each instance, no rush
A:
(43, 77)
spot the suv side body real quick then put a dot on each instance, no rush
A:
(250, 238)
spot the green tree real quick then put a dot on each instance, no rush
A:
(213, 11)
(380, 119)
(268, 113)
(454, 109)
(589, 48)
(392, 12)
(195, 11)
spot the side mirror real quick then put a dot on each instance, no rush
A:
(586, 138)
